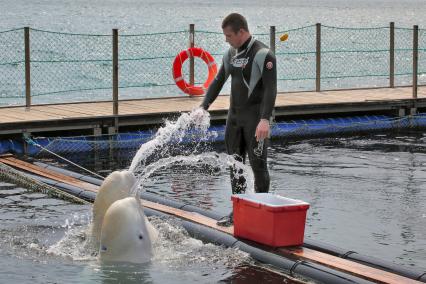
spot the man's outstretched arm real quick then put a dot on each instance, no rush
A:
(214, 88)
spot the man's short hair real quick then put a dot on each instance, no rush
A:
(236, 22)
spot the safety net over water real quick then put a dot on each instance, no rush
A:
(130, 142)
(67, 67)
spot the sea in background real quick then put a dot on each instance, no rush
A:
(68, 68)
(134, 17)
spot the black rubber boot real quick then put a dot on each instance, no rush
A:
(226, 221)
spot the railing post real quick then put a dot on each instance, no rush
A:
(191, 58)
(318, 59)
(27, 67)
(272, 45)
(415, 58)
(115, 76)
(392, 55)
(272, 38)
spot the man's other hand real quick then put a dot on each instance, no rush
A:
(262, 130)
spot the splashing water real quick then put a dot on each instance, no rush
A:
(75, 245)
(76, 242)
(177, 249)
(218, 161)
(198, 120)
(196, 124)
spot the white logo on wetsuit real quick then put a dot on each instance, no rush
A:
(239, 62)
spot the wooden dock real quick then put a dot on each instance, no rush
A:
(99, 115)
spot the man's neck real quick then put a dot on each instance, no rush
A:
(245, 44)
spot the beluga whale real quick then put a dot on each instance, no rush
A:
(120, 229)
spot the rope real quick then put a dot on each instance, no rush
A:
(32, 142)
(346, 254)
(354, 29)
(10, 174)
(293, 268)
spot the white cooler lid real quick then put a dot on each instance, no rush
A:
(269, 199)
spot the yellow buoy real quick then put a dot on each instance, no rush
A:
(284, 37)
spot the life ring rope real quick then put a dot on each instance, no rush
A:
(177, 70)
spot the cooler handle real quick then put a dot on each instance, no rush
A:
(252, 204)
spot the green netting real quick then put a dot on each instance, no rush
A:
(422, 57)
(12, 66)
(9, 174)
(296, 59)
(403, 56)
(348, 54)
(128, 143)
(145, 60)
(78, 67)
(62, 62)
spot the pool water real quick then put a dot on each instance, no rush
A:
(365, 193)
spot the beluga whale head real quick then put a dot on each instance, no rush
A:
(120, 228)
(126, 234)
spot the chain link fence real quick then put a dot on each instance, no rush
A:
(354, 57)
(12, 67)
(296, 61)
(69, 67)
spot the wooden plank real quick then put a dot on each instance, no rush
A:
(191, 216)
(24, 115)
(50, 113)
(73, 112)
(159, 106)
(100, 109)
(47, 173)
(7, 119)
(354, 268)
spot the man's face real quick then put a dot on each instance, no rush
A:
(234, 39)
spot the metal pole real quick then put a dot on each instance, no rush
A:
(27, 67)
(115, 77)
(318, 59)
(272, 38)
(272, 46)
(191, 58)
(115, 70)
(415, 58)
(392, 55)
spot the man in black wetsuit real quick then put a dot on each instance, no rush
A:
(252, 67)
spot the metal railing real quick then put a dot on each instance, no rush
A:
(314, 58)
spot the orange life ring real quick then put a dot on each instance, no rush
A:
(177, 70)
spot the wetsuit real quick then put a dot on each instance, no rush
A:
(253, 91)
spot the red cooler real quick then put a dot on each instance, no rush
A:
(269, 219)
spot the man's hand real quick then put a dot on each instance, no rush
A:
(262, 129)
(199, 115)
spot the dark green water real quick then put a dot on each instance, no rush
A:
(366, 195)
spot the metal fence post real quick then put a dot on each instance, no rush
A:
(272, 45)
(415, 58)
(318, 59)
(392, 55)
(272, 36)
(115, 76)
(27, 67)
(191, 58)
